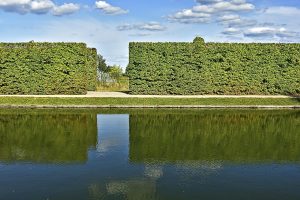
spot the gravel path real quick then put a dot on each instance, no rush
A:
(124, 95)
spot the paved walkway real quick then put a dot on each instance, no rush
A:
(124, 95)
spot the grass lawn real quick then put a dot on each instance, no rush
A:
(121, 86)
(11, 101)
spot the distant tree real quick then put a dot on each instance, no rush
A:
(102, 69)
(115, 73)
(199, 40)
(102, 66)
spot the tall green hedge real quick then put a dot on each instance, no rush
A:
(92, 69)
(214, 68)
(47, 68)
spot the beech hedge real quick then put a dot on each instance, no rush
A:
(92, 69)
(214, 68)
(47, 68)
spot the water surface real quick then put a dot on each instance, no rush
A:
(149, 154)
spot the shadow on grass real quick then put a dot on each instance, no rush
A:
(295, 96)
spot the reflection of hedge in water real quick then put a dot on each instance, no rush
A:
(47, 138)
(238, 137)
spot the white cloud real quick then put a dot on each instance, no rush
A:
(189, 16)
(151, 26)
(231, 31)
(233, 20)
(223, 5)
(286, 35)
(41, 7)
(206, 10)
(11, 3)
(208, 1)
(226, 18)
(270, 28)
(203, 8)
(22, 6)
(109, 9)
(282, 10)
(139, 34)
(260, 31)
(65, 9)
(280, 17)
(232, 6)
(36, 7)
(271, 32)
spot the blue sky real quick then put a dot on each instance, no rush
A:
(110, 25)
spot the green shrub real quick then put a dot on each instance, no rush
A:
(214, 68)
(92, 69)
(46, 68)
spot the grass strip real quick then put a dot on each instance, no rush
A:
(148, 101)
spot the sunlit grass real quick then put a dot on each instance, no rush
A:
(121, 86)
(147, 101)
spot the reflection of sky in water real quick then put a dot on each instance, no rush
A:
(153, 171)
(113, 132)
(200, 169)
(113, 139)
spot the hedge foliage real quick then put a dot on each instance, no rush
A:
(214, 68)
(92, 69)
(47, 68)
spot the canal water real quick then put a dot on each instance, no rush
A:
(149, 154)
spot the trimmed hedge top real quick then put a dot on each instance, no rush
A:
(47, 68)
(214, 68)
